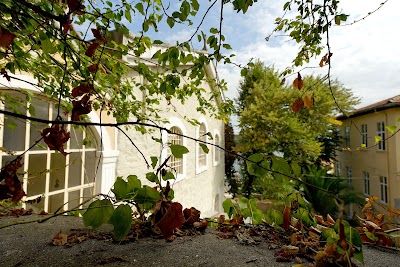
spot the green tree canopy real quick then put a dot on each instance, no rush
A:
(268, 122)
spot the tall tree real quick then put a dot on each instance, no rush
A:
(230, 158)
(272, 121)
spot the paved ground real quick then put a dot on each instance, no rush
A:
(29, 245)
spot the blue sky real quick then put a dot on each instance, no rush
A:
(366, 55)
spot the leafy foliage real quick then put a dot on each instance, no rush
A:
(230, 159)
(271, 119)
(332, 241)
(319, 187)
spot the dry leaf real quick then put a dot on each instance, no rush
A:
(298, 82)
(60, 239)
(6, 37)
(297, 105)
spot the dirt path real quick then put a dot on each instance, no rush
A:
(29, 245)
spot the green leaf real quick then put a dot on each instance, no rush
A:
(157, 42)
(228, 207)
(139, 7)
(178, 151)
(147, 194)
(154, 161)
(121, 219)
(214, 30)
(170, 22)
(120, 188)
(371, 236)
(151, 177)
(48, 47)
(391, 128)
(257, 166)
(258, 216)
(275, 217)
(329, 233)
(98, 213)
(281, 168)
(377, 139)
(128, 15)
(168, 176)
(243, 202)
(296, 169)
(204, 147)
(133, 183)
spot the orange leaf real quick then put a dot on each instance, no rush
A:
(330, 220)
(369, 215)
(6, 37)
(307, 101)
(60, 239)
(322, 62)
(286, 218)
(297, 105)
(298, 82)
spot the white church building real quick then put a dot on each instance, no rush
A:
(92, 169)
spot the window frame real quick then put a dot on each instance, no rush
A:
(217, 151)
(349, 176)
(383, 189)
(381, 132)
(367, 183)
(174, 122)
(347, 137)
(199, 151)
(28, 156)
(364, 136)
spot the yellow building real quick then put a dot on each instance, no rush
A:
(372, 166)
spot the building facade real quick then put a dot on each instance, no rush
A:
(97, 155)
(370, 152)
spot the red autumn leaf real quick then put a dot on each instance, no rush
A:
(81, 107)
(93, 68)
(6, 37)
(76, 6)
(297, 105)
(191, 215)
(82, 89)
(168, 217)
(99, 37)
(298, 82)
(5, 74)
(55, 137)
(91, 49)
(286, 219)
(67, 26)
(11, 187)
(236, 221)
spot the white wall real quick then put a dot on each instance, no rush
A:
(197, 189)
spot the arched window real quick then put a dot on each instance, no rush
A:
(56, 178)
(201, 154)
(217, 152)
(175, 163)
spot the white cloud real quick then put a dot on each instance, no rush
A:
(365, 55)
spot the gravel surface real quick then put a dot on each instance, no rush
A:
(30, 245)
